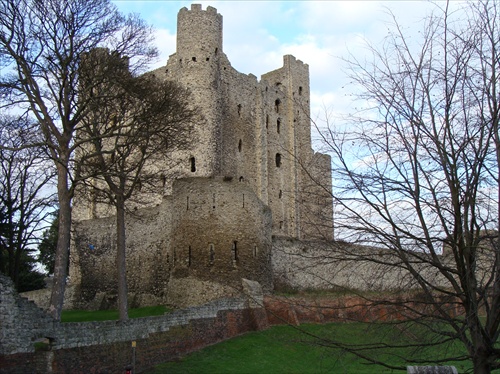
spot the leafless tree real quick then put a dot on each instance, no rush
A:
(41, 47)
(131, 137)
(26, 198)
(416, 178)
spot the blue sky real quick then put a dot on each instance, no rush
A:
(258, 33)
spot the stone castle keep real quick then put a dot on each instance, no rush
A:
(249, 178)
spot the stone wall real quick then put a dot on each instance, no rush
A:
(320, 265)
(106, 347)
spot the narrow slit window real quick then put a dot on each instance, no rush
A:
(240, 145)
(211, 253)
(189, 256)
(267, 121)
(192, 161)
(234, 252)
(239, 110)
(300, 90)
(255, 251)
(280, 195)
(278, 125)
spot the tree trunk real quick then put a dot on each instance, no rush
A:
(120, 259)
(63, 243)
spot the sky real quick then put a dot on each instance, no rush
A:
(256, 35)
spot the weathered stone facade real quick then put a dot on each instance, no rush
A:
(246, 177)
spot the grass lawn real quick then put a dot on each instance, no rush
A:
(283, 349)
(107, 315)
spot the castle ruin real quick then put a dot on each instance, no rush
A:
(249, 177)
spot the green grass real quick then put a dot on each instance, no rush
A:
(107, 315)
(283, 349)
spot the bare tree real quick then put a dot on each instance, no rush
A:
(129, 135)
(416, 180)
(26, 198)
(41, 47)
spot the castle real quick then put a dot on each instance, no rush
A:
(249, 178)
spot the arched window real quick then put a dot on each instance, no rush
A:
(277, 104)
(278, 160)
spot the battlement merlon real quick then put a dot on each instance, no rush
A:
(198, 8)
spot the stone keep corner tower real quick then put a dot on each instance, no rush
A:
(245, 178)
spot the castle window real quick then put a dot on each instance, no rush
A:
(255, 251)
(216, 50)
(267, 121)
(240, 145)
(163, 180)
(278, 160)
(300, 90)
(277, 104)
(189, 256)
(278, 125)
(242, 179)
(239, 110)
(211, 253)
(234, 252)
(187, 202)
(193, 58)
(192, 161)
(208, 59)
(280, 195)
(281, 225)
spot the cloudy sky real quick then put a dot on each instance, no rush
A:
(258, 33)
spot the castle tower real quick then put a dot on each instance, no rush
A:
(196, 66)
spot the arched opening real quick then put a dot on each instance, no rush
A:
(277, 104)
(278, 160)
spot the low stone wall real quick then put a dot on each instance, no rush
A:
(106, 347)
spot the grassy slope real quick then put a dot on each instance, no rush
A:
(283, 349)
